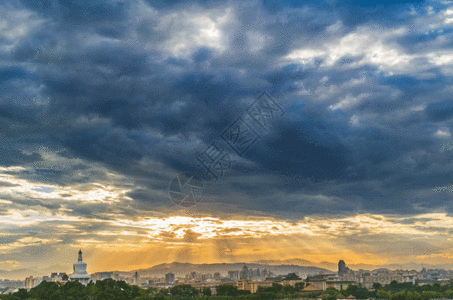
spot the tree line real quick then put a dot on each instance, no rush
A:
(110, 289)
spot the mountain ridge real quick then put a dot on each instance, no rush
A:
(284, 266)
(223, 268)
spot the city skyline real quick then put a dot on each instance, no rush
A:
(279, 266)
(121, 122)
(245, 277)
(302, 283)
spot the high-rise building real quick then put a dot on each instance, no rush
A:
(29, 282)
(116, 276)
(136, 278)
(342, 268)
(233, 275)
(169, 278)
(245, 274)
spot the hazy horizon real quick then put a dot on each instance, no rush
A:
(18, 274)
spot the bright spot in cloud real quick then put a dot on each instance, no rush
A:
(443, 133)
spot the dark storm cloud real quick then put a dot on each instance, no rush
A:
(305, 147)
(76, 12)
(420, 41)
(116, 98)
(147, 196)
(12, 157)
(440, 111)
(352, 13)
(181, 4)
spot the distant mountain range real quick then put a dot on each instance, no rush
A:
(21, 274)
(300, 262)
(334, 267)
(180, 269)
(405, 266)
(276, 266)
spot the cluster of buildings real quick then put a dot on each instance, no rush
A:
(10, 286)
(367, 278)
(247, 273)
(249, 279)
(244, 279)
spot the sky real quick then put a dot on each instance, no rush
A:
(104, 104)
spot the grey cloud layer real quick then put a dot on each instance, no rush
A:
(140, 89)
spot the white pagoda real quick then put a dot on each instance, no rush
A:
(80, 271)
